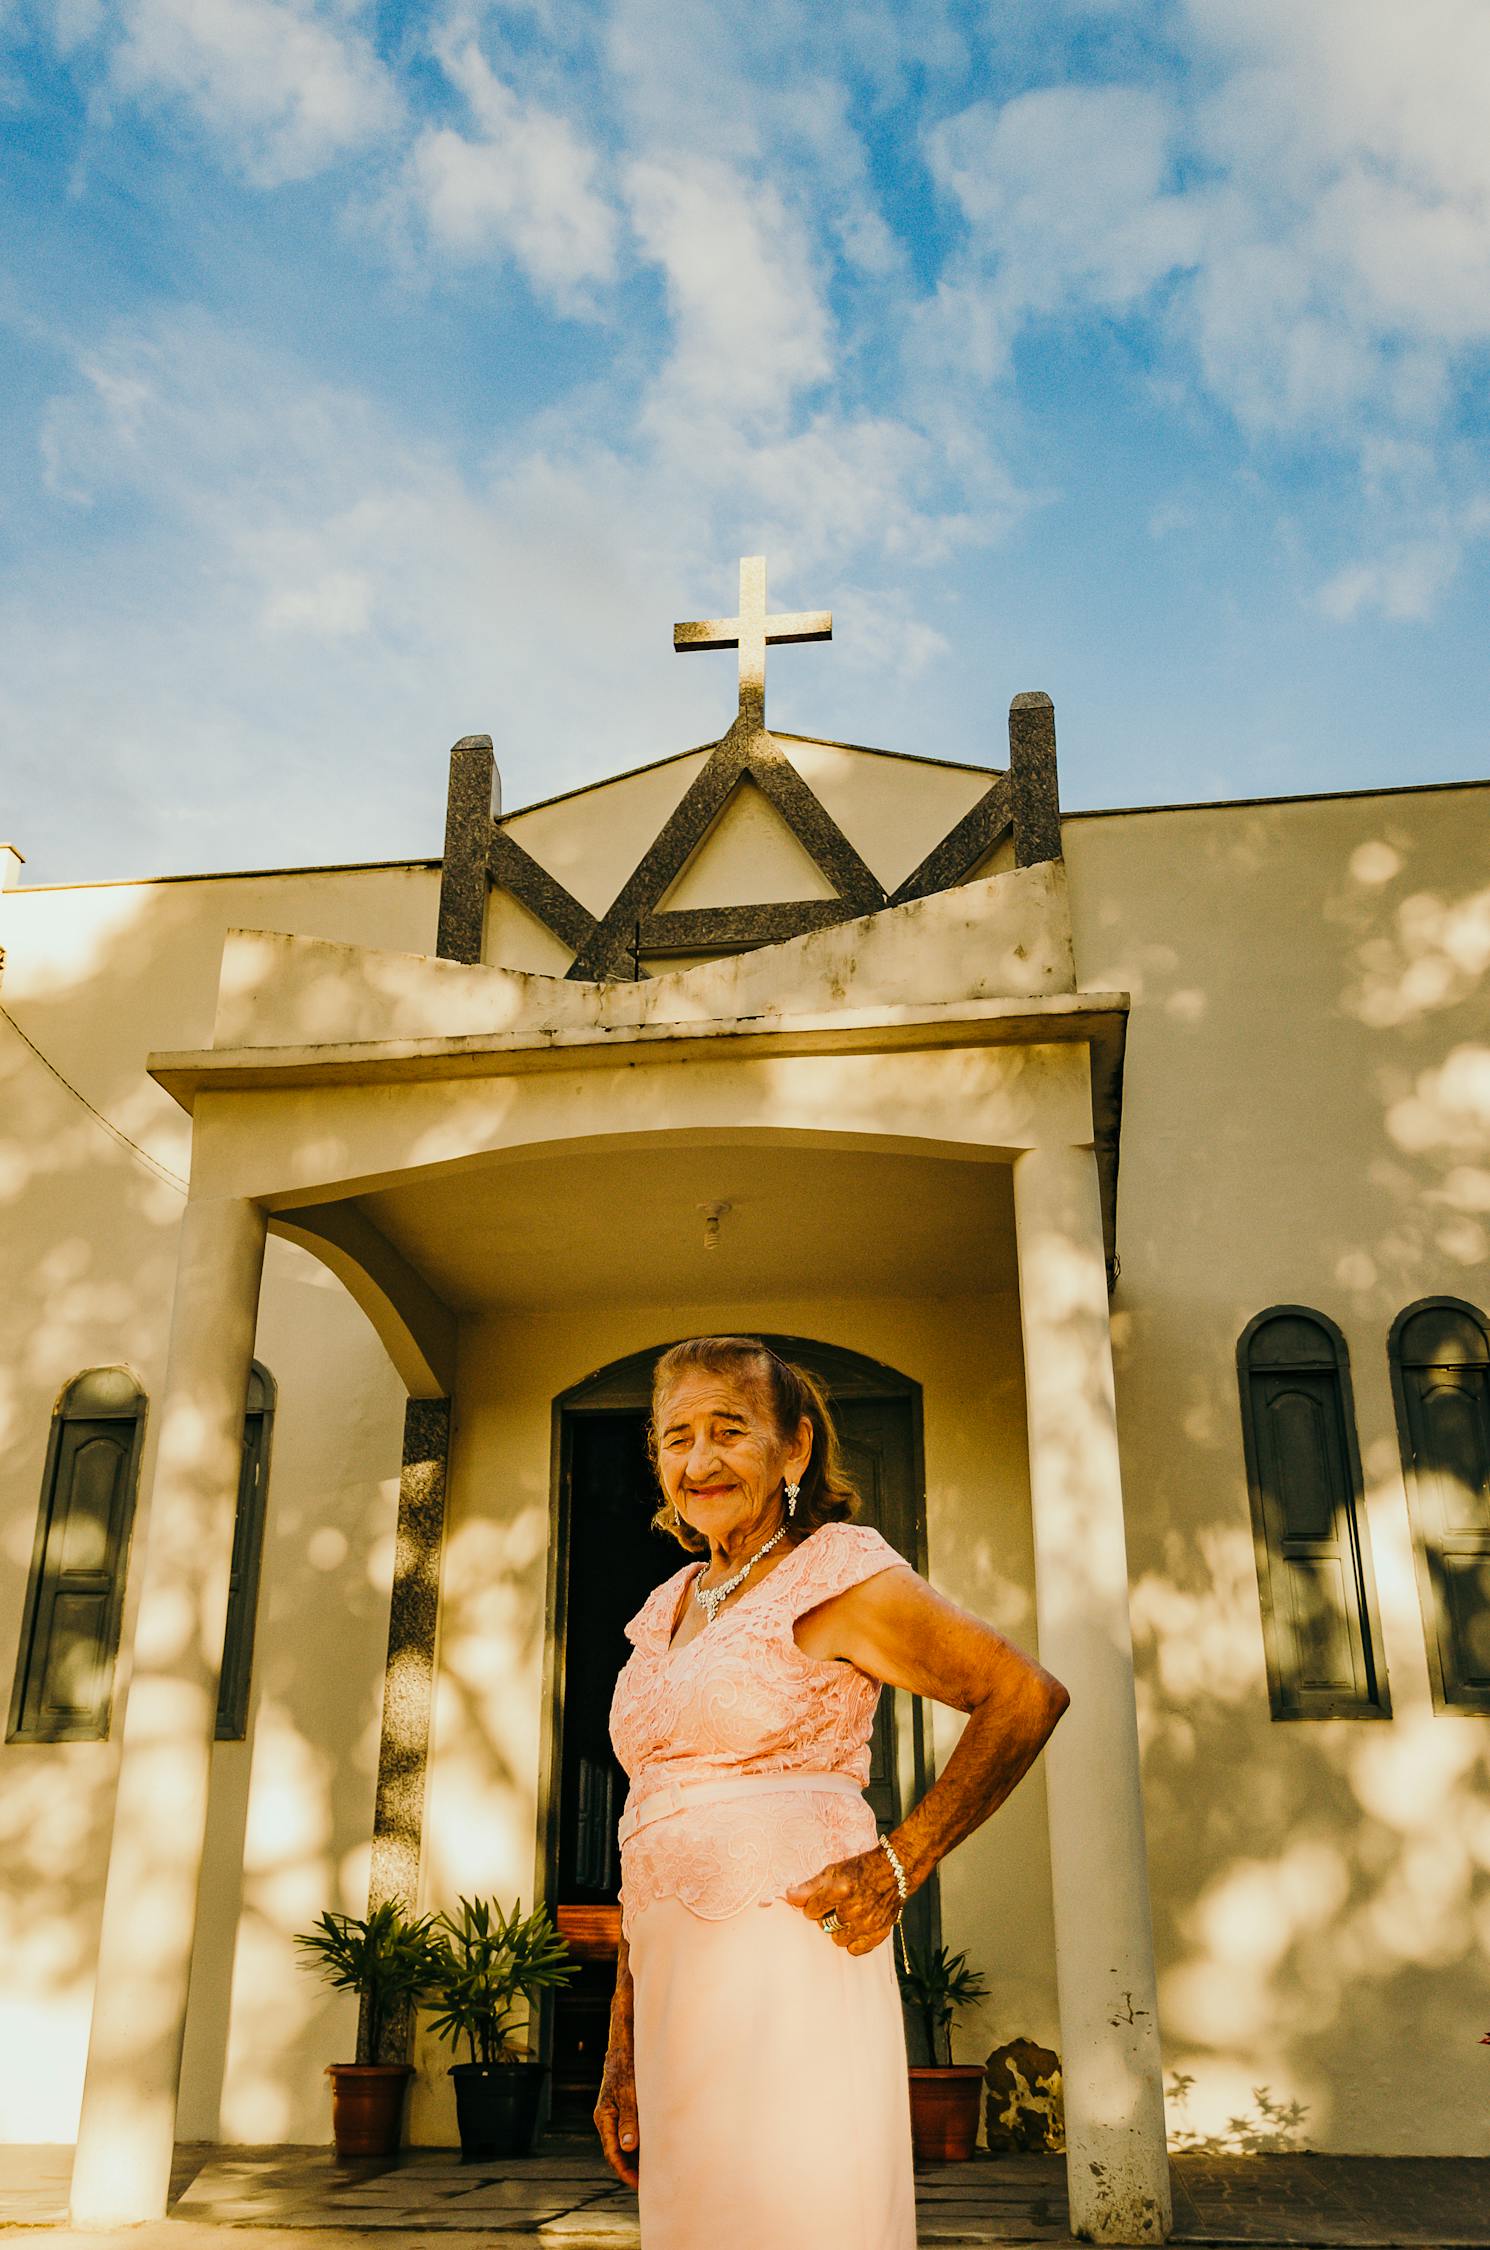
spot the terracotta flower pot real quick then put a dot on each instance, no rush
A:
(367, 2107)
(945, 2105)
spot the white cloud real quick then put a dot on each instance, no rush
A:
(1407, 579)
(284, 87)
(311, 606)
(1299, 209)
(333, 606)
(1066, 200)
(1322, 213)
(1404, 584)
(746, 412)
(1354, 139)
(752, 86)
(887, 634)
(750, 330)
(1069, 184)
(526, 184)
(1319, 87)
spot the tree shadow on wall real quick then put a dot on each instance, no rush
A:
(1321, 1888)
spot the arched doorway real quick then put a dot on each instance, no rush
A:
(608, 1561)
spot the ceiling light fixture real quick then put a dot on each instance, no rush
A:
(712, 1214)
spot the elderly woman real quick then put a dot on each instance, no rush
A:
(755, 2076)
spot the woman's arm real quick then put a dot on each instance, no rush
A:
(615, 2111)
(901, 1631)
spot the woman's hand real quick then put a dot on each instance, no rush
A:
(862, 1892)
(897, 1630)
(615, 2112)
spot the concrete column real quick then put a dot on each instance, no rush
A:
(409, 1682)
(475, 795)
(121, 2175)
(1117, 2167)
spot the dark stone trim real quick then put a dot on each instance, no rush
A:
(1032, 779)
(701, 929)
(960, 850)
(542, 894)
(665, 859)
(815, 828)
(743, 754)
(409, 1676)
(469, 808)
(479, 852)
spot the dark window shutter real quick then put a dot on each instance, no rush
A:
(1313, 1564)
(248, 1548)
(70, 1629)
(1440, 1360)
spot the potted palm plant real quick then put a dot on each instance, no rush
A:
(945, 2096)
(387, 1959)
(490, 1967)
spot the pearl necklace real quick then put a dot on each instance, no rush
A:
(711, 1599)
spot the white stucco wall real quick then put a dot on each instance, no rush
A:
(98, 976)
(1307, 1120)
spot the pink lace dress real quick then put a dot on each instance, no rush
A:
(770, 2063)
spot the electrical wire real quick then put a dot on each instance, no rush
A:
(172, 1179)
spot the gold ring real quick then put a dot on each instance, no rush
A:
(830, 1922)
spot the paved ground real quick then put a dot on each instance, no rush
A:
(564, 2199)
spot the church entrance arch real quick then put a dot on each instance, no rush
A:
(607, 1560)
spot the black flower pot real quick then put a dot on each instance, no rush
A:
(496, 2107)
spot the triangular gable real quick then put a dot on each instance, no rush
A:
(664, 906)
(1019, 807)
(747, 855)
(633, 922)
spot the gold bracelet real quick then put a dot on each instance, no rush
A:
(893, 1856)
(901, 1885)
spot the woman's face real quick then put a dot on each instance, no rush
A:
(721, 1459)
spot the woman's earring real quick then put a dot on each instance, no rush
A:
(791, 1498)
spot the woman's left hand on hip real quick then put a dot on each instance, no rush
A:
(862, 1893)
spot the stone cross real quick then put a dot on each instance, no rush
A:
(750, 633)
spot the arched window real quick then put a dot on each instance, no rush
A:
(1314, 1577)
(64, 1684)
(1439, 1351)
(248, 1548)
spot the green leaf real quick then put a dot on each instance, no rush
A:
(384, 1957)
(491, 1966)
(938, 1985)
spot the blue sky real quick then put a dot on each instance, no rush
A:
(379, 374)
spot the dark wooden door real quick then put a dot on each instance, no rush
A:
(615, 1559)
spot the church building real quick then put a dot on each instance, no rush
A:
(1124, 1175)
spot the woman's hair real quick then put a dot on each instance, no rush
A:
(790, 1397)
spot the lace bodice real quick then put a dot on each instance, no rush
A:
(741, 1698)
